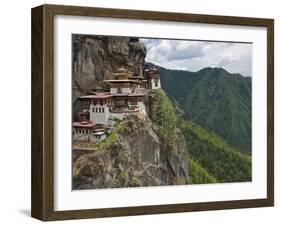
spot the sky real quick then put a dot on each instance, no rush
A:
(195, 55)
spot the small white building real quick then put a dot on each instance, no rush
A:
(88, 132)
(99, 136)
(82, 131)
(98, 106)
(153, 79)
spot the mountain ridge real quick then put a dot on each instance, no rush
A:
(215, 99)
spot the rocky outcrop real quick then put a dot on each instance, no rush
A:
(132, 156)
(96, 57)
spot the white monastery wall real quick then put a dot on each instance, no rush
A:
(153, 84)
(99, 114)
(113, 90)
(126, 90)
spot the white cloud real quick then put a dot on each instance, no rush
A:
(195, 55)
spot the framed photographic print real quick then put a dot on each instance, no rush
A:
(141, 112)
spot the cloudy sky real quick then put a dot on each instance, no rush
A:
(195, 55)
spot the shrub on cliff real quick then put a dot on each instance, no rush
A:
(166, 120)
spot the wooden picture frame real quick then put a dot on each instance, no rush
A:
(42, 203)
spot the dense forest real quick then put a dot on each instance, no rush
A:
(211, 158)
(214, 99)
(198, 175)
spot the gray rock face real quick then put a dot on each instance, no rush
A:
(177, 161)
(96, 57)
(135, 158)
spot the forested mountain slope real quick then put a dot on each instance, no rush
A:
(215, 99)
(212, 159)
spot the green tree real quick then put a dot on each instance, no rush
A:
(166, 120)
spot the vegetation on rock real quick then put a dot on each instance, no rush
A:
(112, 138)
(166, 120)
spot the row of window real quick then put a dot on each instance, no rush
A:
(95, 102)
(97, 109)
(108, 103)
(82, 130)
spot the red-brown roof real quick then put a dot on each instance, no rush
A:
(120, 94)
(88, 124)
(136, 77)
(106, 95)
(97, 96)
(121, 81)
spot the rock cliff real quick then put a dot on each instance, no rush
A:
(96, 57)
(131, 156)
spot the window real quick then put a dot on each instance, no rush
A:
(102, 110)
(156, 83)
(93, 109)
